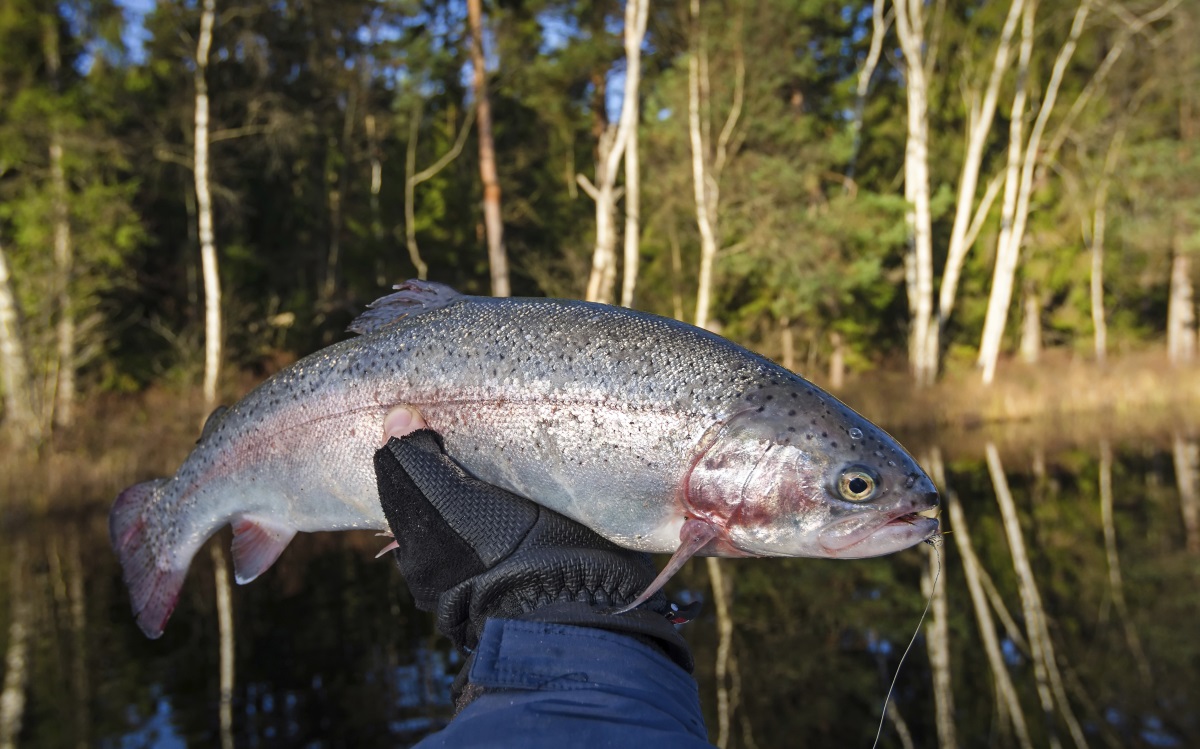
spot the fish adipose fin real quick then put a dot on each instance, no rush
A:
(410, 298)
(153, 580)
(693, 536)
(257, 543)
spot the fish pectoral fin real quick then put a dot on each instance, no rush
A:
(411, 298)
(257, 543)
(693, 536)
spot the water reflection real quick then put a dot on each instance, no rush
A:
(1070, 594)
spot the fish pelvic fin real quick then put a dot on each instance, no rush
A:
(410, 298)
(257, 543)
(693, 536)
(153, 579)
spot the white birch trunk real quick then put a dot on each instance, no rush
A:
(1186, 454)
(1006, 258)
(1181, 312)
(204, 212)
(497, 255)
(705, 213)
(63, 402)
(1045, 663)
(910, 28)
(1031, 328)
(19, 413)
(636, 14)
(16, 655)
(64, 260)
(1014, 236)
(612, 148)
(1096, 248)
(967, 215)
(1099, 321)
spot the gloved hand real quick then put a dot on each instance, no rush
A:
(472, 551)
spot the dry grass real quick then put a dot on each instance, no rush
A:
(1132, 389)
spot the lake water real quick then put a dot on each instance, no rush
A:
(329, 651)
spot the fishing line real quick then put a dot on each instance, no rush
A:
(936, 543)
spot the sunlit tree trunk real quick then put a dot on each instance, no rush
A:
(63, 404)
(879, 28)
(1049, 678)
(497, 255)
(1186, 454)
(910, 28)
(1012, 233)
(636, 12)
(1006, 257)
(412, 178)
(1094, 240)
(16, 655)
(1181, 312)
(204, 212)
(968, 217)
(837, 361)
(20, 419)
(1031, 326)
(707, 164)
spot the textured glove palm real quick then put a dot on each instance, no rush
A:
(472, 551)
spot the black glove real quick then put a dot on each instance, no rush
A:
(471, 551)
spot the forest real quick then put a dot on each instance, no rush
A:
(932, 188)
(976, 221)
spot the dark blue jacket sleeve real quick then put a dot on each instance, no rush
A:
(550, 685)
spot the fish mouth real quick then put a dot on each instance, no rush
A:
(862, 536)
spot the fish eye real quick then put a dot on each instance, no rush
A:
(857, 484)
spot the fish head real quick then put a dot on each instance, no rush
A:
(798, 473)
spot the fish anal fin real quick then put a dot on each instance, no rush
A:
(693, 536)
(410, 298)
(257, 543)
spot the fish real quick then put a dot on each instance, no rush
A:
(658, 435)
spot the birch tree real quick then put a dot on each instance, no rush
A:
(616, 142)
(64, 379)
(707, 163)
(412, 178)
(1024, 157)
(497, 256)
(204, 209)
(918, 260)
(20, 419)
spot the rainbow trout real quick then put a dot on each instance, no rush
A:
(658, 435)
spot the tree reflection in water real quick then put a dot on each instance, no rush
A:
(330, 651)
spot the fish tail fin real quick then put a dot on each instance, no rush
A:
(154, 579)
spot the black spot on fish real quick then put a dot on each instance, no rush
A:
(792, 412)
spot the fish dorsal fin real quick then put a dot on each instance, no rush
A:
(257, 543)
(410, 298)
(211, 422)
